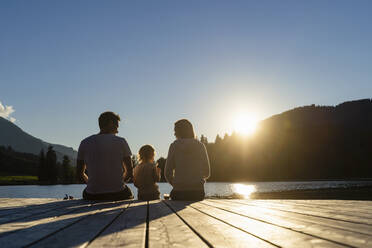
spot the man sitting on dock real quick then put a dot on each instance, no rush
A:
(107, 159)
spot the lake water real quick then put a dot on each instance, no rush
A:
(211, 189)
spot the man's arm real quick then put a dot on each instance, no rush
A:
(81, 176)
(128, 166)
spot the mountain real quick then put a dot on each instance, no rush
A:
(12, 135)
(350, 114)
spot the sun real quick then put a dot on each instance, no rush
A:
(245, 124)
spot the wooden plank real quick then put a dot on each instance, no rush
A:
(213, 231)
(334, 209)
(166, 229)
(336, 202)
(362, 203)
(82, 232)
(44, 227)
(28, 212)
(21, 202)
(362, 206)
(313, 211)
(342, 205)
(289, 221)
(28, 221)
(16, 205)
(359, 228)
(128, 230)
(279, 236)
(17, 202)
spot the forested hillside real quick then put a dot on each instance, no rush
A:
(17, 163)
(311, 142)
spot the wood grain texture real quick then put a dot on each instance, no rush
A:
(217, 233)
(279, 236)
(166, 229)
(49, 226)
(15, 202)
(39, 219)
(209, 223)
(347, 206)
(86, 229)
(340, 206)
(40, 209)
(128, 230)
(355, 227)
(331, 231)
(19, 205)
(310, 210)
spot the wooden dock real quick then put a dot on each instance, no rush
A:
(209, 223)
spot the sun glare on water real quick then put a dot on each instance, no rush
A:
(244, 190)
(245, 124)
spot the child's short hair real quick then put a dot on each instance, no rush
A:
(146, 153)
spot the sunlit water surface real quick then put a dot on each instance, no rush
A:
(243, 189)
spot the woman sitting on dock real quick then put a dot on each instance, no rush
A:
(146, 174)
(187, 165)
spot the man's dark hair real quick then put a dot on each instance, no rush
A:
(106, 118)
(183, 129)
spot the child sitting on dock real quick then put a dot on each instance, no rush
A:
(146, 174)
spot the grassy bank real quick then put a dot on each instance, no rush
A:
(18, 180)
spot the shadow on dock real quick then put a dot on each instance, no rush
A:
(76, 222)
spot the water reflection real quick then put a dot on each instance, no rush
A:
(243, 190)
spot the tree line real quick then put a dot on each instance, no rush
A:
(17, 163)
(52, 172)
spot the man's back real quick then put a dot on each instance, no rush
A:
(103, 155)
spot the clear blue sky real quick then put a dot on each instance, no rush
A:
(62, 63)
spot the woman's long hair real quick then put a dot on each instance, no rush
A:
(183, 129)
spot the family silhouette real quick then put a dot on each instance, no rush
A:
(104, 163)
